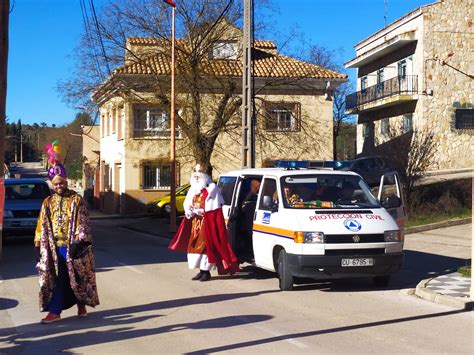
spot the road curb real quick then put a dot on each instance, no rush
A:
(426, 227)
(423, 292)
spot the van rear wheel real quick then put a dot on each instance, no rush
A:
(284, 273)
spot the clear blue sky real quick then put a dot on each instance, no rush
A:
(44, 33)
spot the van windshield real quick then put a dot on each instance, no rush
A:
(326, 191)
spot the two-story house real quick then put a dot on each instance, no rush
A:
(417, 75)
(294, 119)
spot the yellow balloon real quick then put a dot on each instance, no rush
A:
(56, 148)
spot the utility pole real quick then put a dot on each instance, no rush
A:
(4, 15)
(248, 126)
(172, 122)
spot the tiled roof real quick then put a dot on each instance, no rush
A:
(266, 64)
(147, 41)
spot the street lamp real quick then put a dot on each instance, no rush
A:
(172, 123)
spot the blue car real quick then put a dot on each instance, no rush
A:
(23, 199)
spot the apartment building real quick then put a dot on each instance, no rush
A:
(416, 77)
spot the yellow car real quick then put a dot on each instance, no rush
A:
(162, 205)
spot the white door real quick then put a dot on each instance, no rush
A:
(229, 186)
(267, 217)
(390, 195)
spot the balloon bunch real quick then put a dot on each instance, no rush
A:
(53, 151)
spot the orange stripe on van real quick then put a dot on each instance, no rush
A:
(272, 230)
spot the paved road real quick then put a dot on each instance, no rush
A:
(150, 305)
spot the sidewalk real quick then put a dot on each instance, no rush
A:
(451, 289)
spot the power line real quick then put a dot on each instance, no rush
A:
(88, 33)
(96, 22)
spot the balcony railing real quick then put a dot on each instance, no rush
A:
(400, 85)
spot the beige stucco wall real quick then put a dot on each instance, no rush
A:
(313, 141)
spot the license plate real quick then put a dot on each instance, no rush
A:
(357, 262)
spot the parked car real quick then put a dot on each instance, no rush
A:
(370, 168)
(23, 199)
(162, 205)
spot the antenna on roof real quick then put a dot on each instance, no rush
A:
(385, 3)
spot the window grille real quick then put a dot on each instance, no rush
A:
(464, 118)
(157, 175)
(151, 121)
(282, 116)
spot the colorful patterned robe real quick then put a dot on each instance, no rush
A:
(66, 218)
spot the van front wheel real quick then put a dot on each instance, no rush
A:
(284, 273)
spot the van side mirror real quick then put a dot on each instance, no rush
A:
(391, 202)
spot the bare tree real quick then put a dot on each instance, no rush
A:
(411, 154)
(141, 30)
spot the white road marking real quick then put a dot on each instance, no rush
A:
(131, 268)
(274, 333)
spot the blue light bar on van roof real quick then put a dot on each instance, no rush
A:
(291, 164)
(308, 164)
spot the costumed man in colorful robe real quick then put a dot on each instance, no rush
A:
(63, 245)
(202, 233)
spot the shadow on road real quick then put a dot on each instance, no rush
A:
(66, 334)
(6, 303)
(416, 266)
(18, 261)
(312, 333)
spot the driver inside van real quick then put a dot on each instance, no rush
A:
(347, 193)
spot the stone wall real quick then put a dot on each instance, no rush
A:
(443, 62)
(449, 59)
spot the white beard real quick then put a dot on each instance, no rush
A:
(197, 186)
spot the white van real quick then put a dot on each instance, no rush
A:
(314, 222)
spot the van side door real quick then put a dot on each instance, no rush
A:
(266, 216)
(229, 186)
(390, 195)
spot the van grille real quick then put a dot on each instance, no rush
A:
(353, 252)
(344, 238)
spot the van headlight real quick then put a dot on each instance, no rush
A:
(309, 237)
(7, 214)
(393, 236)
